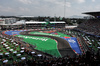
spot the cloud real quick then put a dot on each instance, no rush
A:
(80, 1)
(47, 7)
(24, 9)
(25, 1)
(15, 11)
(68, 4)
(60, 3)
(6, 9)
(93, 0)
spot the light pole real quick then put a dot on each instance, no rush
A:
(24, 25)
(55, 18)
(64, 8)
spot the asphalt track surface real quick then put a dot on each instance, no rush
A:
(63, 46)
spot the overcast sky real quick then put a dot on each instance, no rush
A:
(47, 7)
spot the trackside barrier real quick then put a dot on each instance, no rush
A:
(80, 45)
(75, 52)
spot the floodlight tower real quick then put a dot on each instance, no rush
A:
(64, 8)
(55, 18)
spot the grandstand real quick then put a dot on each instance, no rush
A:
(36, 24)
(91, 26)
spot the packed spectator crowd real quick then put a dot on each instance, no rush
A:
(91, 26)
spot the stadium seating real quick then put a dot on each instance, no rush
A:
(91, 26)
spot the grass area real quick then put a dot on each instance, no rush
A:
(47, 47)
(44, 44)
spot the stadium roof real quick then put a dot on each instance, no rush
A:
(57, 22)
(33, 22)
(93, 13)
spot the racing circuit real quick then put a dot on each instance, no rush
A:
(65, 46)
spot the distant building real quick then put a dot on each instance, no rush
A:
(2, 21)
(10, 20)
(7, 21)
